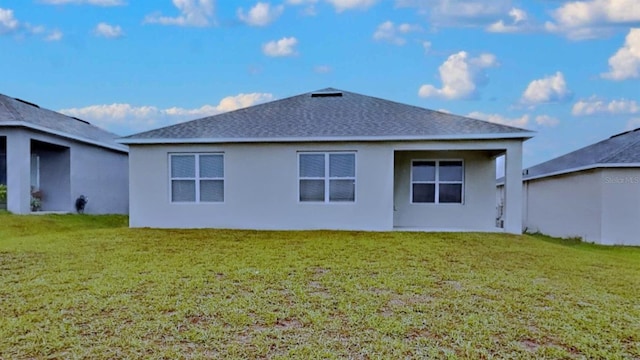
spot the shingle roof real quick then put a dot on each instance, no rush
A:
(327, 114)
(619, 150)
(14, 112)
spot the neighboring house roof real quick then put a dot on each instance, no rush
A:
(620, 150)
(327, 115)
(16, 112)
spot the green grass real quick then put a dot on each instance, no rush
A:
(88, 287)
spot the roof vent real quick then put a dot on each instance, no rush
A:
(84, 121)
(327, 94)
(28, 103)
(622, 133)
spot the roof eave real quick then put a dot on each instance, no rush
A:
(496, 136)
(582, 168)
(18, 123)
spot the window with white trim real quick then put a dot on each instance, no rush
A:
(327, 177)
(437, 181)
(197, 178)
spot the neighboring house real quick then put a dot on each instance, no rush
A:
(329, 159)
(592, 193)
(57, 158)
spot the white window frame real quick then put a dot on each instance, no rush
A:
(327, 178)
(437, 182)
(197, 178)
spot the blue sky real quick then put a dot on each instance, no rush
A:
(568, 70)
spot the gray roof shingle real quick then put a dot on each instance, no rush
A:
(623, 148)
(313, 116)
(14, 112)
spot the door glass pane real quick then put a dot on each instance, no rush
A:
(211, 190)
(424, 193)
(311, 165)
(311, 190)
(211, 166)
(424, 171)
(451, 193)
(183, 190)
(342, 190)
(450, 170)
(183, 166)
(342, 165)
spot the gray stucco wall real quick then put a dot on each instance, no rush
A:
(261, 189)
(565, 205)
(99, 173)
(599, 205)
(478, 208)
(620, 206)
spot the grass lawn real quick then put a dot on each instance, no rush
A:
(75, 286)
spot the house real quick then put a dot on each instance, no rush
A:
(48, 160)
(328, 159)
(592, 193)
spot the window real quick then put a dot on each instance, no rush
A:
(327, 177)
(437, 182)
(197, 178)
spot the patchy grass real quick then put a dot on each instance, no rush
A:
(88, 287)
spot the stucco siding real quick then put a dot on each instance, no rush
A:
(102, 176)
(261, 189)
(620, 206)
(68, 169)
(477, 212)
(565, 205)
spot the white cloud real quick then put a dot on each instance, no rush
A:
(88, 2)
(460, 75)
(8, 23)
(518, 23)
(460, 12)
(389, 32)
(54, 35)
(108, 31)
(192, 13)
(426, 45)
(322, 69)
(342, 5)
(310, 6)
(592, 18)
(546, 120)
(546, 90)
(282, 47)
(594, 106)
(126, 118)
(633, 124)
(499, 119)
(625, 63)
(261, 14)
